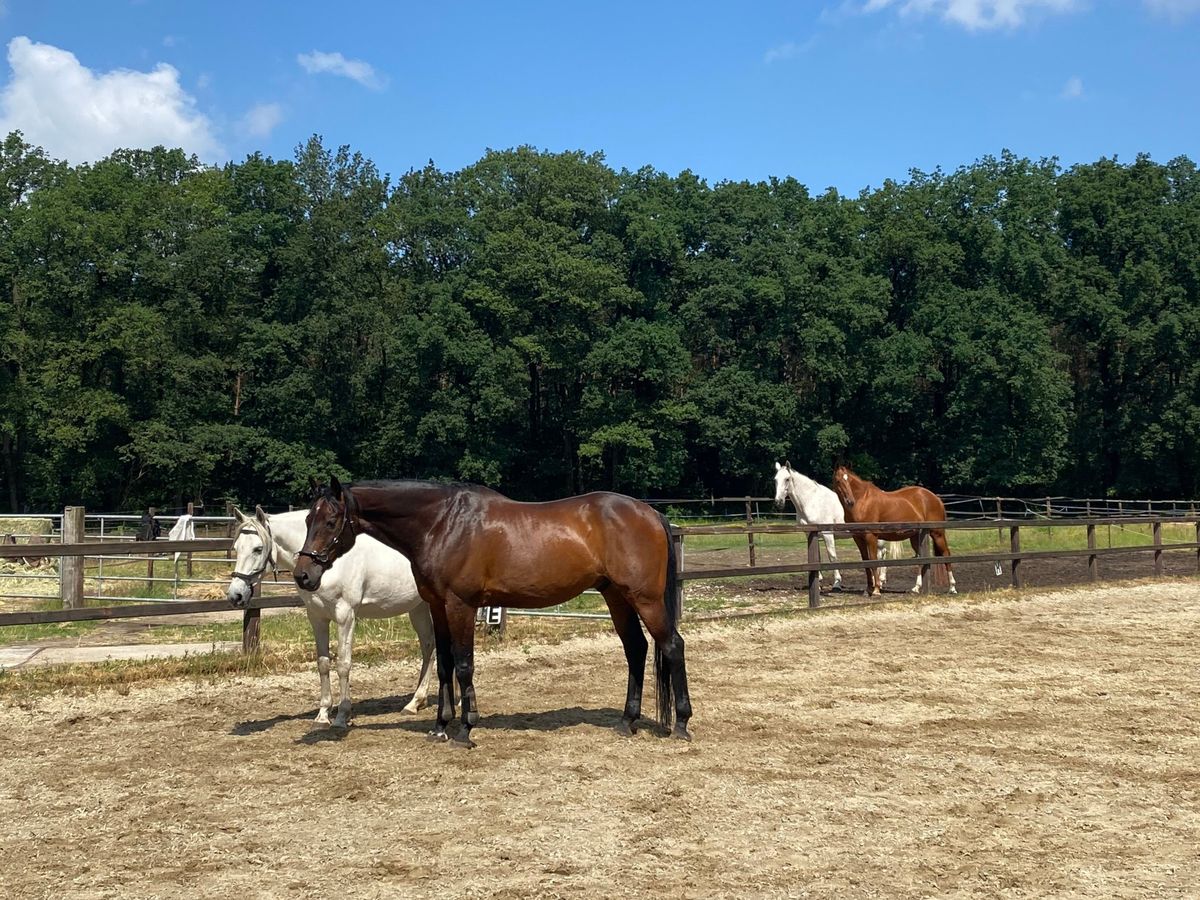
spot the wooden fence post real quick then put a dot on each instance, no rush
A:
(1014, 543)
(1156, 530)
(251, 619)
(1091, 539)
(153, 511)
(750, 534)
(677, 537)
(923, 545)
(71, 567)
(814, 577)
(229, 513)
(999, 516)
(1198, 548)
(191, 512)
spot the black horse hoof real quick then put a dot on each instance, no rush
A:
(680, 733)
(462, 743)
(439, 736)
(627, 728)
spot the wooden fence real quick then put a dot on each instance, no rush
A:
(1015, 556)
(74, 549)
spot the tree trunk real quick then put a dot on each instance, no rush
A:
(10, 472)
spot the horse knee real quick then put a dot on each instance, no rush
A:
(464, 669)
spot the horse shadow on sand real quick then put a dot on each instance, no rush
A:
(420, 724)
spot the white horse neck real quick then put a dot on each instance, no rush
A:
(289, 531)
(803, 489)
(815, 502)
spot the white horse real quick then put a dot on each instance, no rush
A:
(372, 581)
(814, 502)
(892, 550)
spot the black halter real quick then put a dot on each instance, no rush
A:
(270, 560)
(322, 559)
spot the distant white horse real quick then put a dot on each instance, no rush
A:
(372, 581)
(814, 502)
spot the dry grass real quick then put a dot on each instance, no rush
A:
(1011, 747)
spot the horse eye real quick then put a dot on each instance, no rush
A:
(328, 524)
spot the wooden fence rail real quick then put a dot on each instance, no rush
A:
(74, 549)
(1015, 555)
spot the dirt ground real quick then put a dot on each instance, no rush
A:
(1004, 747)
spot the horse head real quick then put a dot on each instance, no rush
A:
(844, 483)
(331, 534)
(783, 474)
(254, 552)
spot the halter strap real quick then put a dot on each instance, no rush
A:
(322, 559)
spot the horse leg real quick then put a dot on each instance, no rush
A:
(345, 620)
(861, 540)
(868, 546)
(461, 619)
(320, 627)
(422, 623)
(445, 670)
(942, 548)
(915, 540)
(831, 549)
(629, 630)
(670, 667)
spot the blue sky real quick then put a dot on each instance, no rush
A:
(843, 93)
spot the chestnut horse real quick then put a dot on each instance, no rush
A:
(471, 547)
(862, 501)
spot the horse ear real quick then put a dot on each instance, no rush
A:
(314, 486)
(241, 516)
(787, 464)
(778, 467)
(335, 487)
(260, 515)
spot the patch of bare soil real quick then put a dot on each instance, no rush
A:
(1011, 747)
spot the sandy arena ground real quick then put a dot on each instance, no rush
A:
(999, 748)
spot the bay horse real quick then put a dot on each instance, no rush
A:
(814, 503)
(864, 502)
(373, 582)
(472, 547)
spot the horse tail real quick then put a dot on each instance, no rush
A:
(662, 669)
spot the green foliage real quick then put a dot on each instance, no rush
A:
(547, 325)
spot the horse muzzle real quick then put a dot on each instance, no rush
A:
(308, 577)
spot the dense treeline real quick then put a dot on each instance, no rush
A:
(544, 324)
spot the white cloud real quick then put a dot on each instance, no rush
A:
(1073, 89)
(976, 15)
(788, 50)
(319, 62)
(82, 116)
(1175, 10)
(260, 120)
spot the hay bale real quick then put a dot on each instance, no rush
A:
(27, 525)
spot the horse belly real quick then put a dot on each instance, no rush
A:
(529, 595)
(524, 578)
